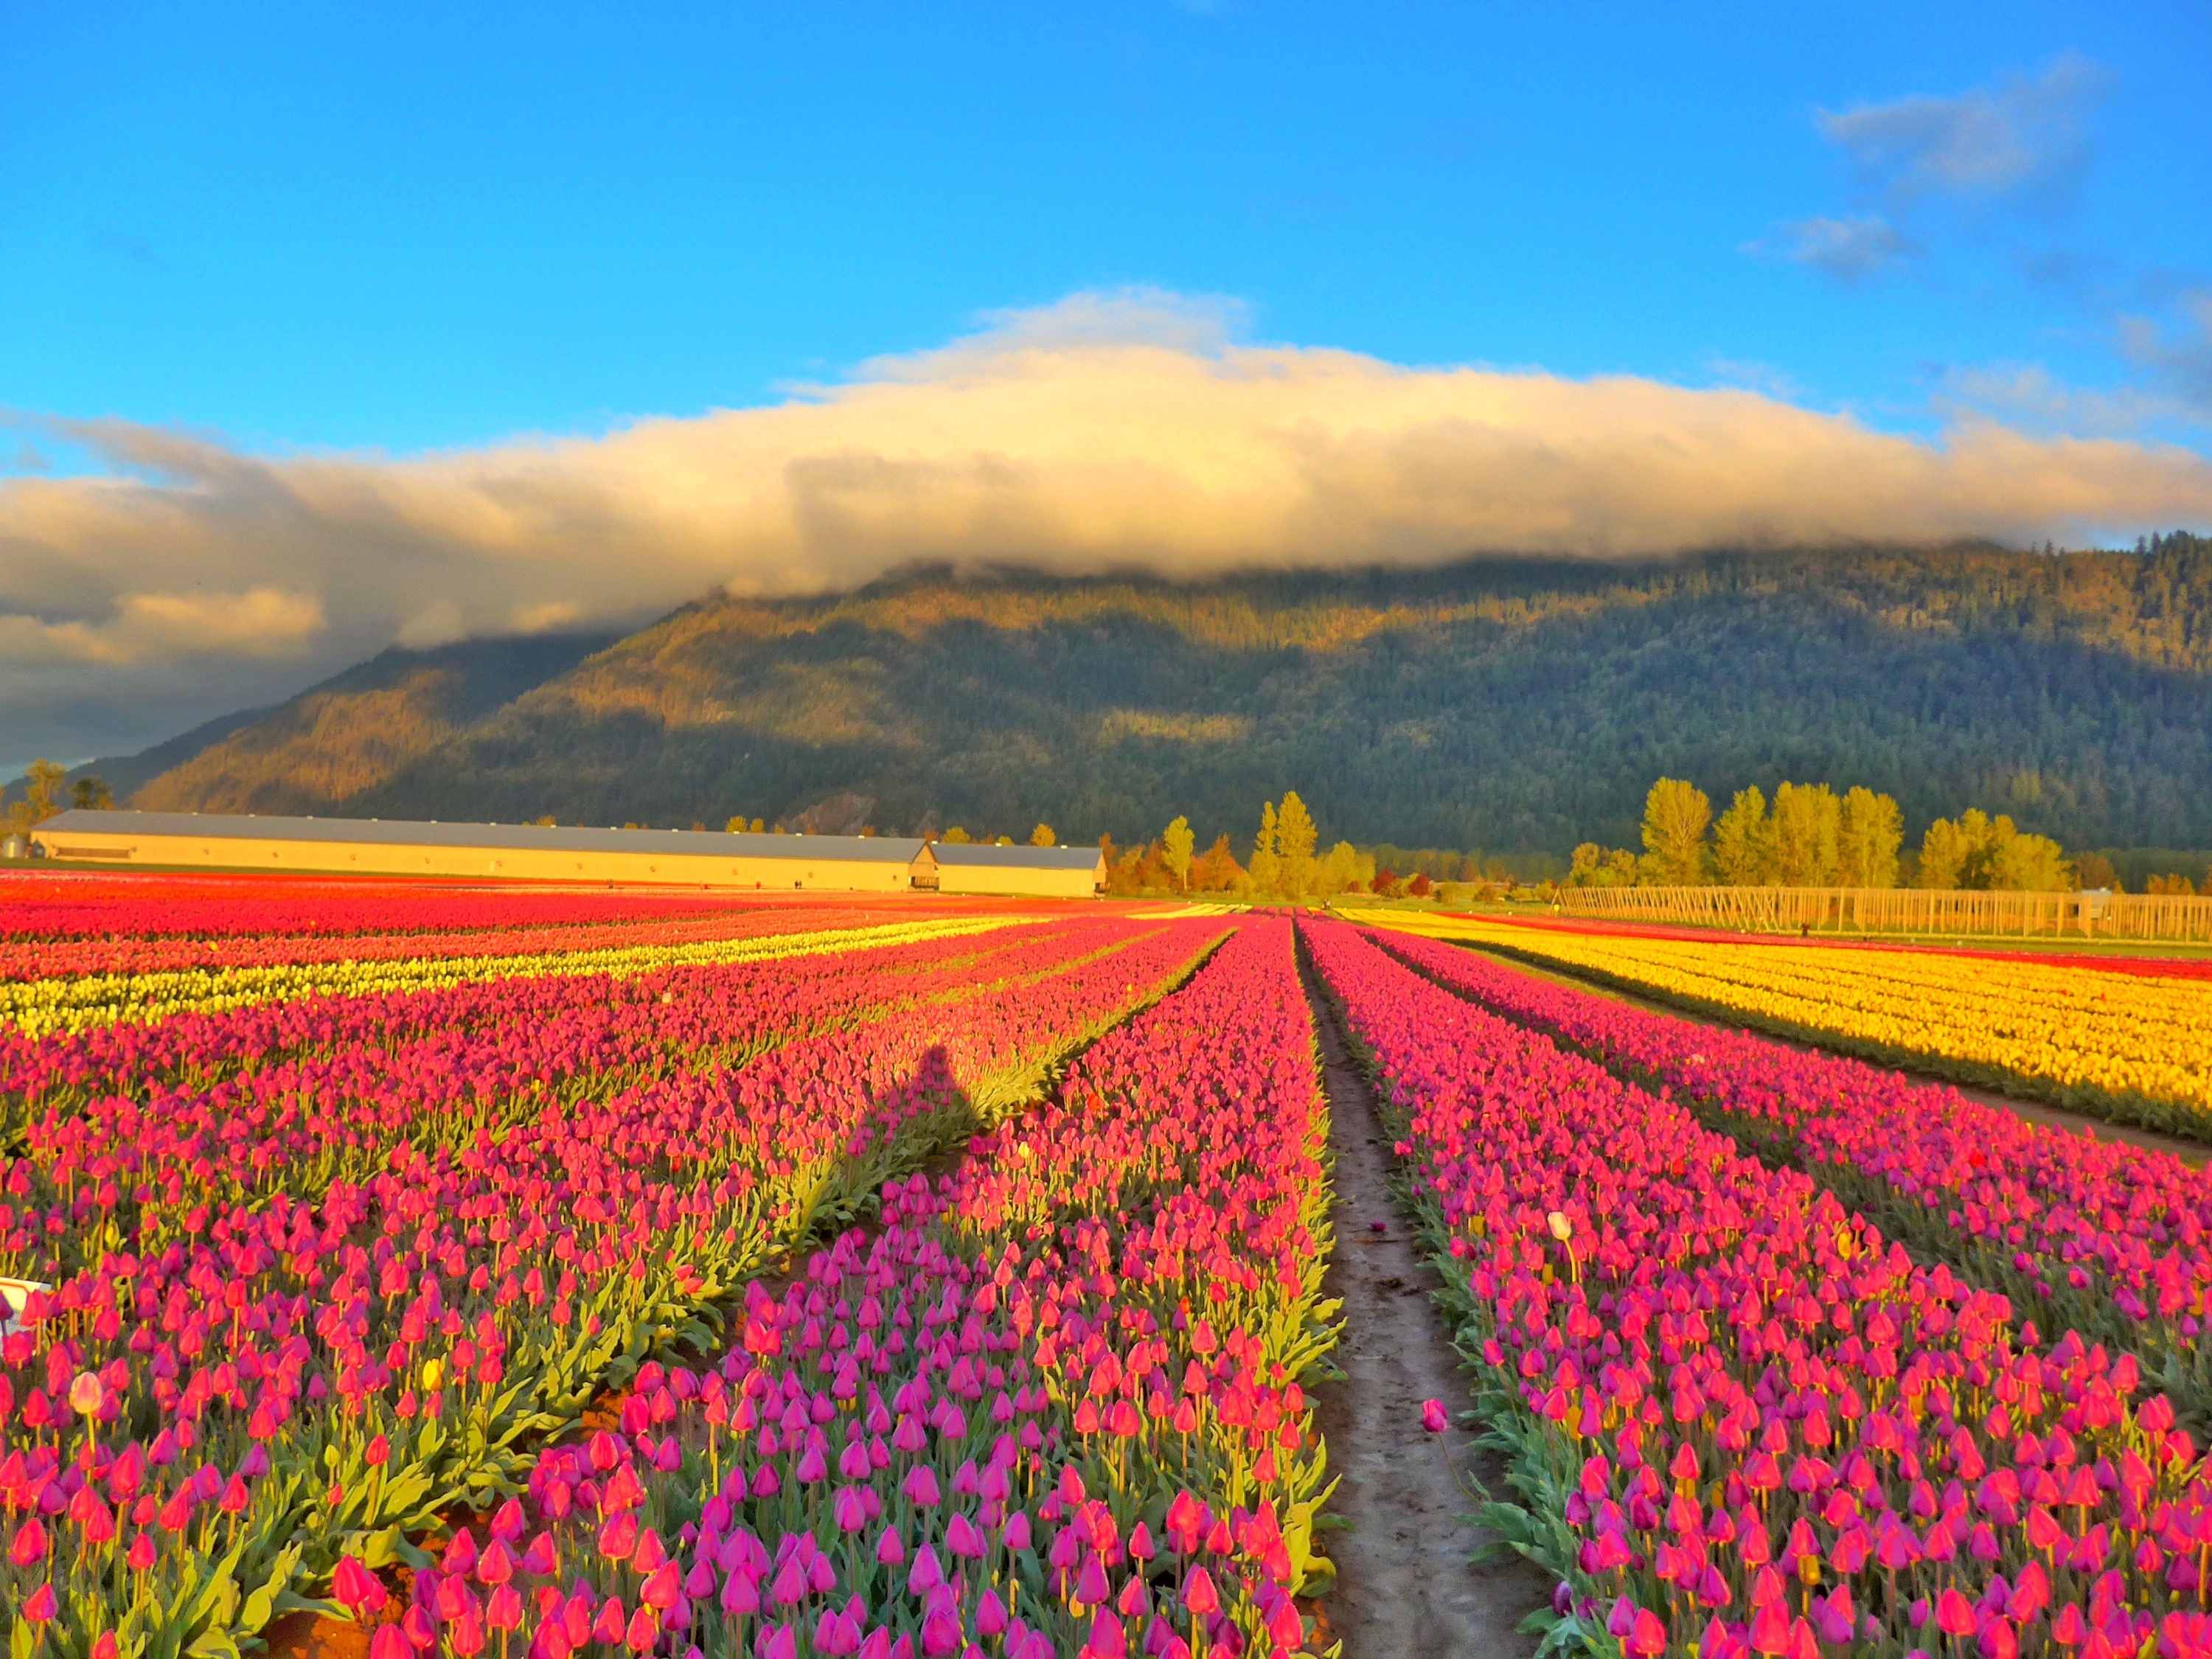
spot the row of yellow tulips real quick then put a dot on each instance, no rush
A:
(2128, 1047)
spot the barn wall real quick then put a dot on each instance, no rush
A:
(1027, 883)
(506, 863)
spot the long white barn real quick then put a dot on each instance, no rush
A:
(529, 852)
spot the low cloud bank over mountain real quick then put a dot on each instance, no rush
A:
(1108, 430)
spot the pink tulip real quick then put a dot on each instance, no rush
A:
(29, 1547)
(358, 1588)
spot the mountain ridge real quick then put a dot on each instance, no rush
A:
(1505, 704)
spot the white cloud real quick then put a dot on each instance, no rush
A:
(264, 622)
(1848, 249)
(1110, 430)
(2028, 397)
(438, 623)
(2180, 357)
(2023, 135)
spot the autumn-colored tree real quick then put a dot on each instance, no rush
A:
(1592, 865)
(1042, 836)
(1675, 816)
(1867, 842)
(1803, 833)
(955, 836)
(42, 789)
(1217, 870)
(1343, 868)
(2093, 871)
(1983, 854)
(1177, 841)
(1743, 840)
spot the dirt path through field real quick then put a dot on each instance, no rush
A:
(1405, 1586)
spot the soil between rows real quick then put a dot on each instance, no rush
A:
(1405, 1585)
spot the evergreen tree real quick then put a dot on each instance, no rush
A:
(1296, 836)
(1265, 868)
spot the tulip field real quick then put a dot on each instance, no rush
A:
(2128, 1039)
(1744, 1418)
(627, 1275)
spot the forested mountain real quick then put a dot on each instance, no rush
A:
(1495, 704)
(355, 732)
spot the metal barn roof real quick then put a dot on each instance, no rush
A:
(397, 832)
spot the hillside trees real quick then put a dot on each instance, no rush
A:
(1431, 708)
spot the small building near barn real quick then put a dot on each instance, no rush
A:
(509, 852)
(1040, 871)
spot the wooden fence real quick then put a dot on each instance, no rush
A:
(1902, 910)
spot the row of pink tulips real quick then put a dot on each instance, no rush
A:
(287, 1380)
(127, 1170)
(91, 958)
(1049, 1406)
(494, 1036)
(2099, 1236)
(1745, 1421)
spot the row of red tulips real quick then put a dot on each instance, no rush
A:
(51, 905)
(1050, 1405)
(203, 1426)
(2099, 1236)
(1744, 1421)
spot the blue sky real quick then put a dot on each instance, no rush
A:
(404, 228)
(329, 329)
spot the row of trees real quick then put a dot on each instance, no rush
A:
(44, 797)
(1813, 837)
(1287, 862)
